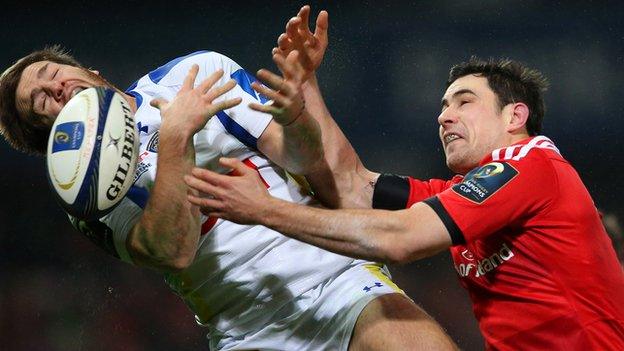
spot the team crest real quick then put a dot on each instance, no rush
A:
(481, 183)
(152, 144)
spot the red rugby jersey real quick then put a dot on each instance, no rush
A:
(538, 265)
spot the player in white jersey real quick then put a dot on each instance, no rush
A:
(252, 290)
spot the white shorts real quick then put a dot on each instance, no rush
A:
(323, 318)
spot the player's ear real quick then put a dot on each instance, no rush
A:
(518, 116)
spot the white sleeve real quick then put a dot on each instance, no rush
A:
(121, 220)
(235, 119)
(110, 232)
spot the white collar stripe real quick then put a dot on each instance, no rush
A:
(509, 152)
(539, 142)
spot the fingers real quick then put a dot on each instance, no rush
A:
(220, 90)
(279, 52)
(272, 109)
(322, 25)
(159, 103)
(274, 81)
(206, 204)
(269, 93)
(189, 80)
(304, 14)
(289, 66)
(292, 29)
(283, 43)
(213, 178)
(281, 93)
(293, 65)
(237, 166)
(201, 185)
(210, 81)
(268, 108)
(297, 37)
(226, 104)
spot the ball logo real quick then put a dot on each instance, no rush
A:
(61, 137)
(68, 136)
(126, 154)
(113, 142)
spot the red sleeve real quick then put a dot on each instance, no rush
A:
(394, 192)
(497, 195)
(422, 189)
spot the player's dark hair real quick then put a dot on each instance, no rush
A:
(27, 133)
(512, 82)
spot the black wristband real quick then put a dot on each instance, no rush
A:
(391, 192)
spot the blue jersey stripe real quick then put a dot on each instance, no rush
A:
(244, 80)
(237, 130)
(137, 96)
(138, 195)
(158, 74)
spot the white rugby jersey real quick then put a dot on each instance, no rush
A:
(242, 274)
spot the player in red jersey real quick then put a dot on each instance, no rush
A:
(525, 236)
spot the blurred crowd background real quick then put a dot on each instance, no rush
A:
(383, 77)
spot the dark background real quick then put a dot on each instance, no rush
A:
(382, 78)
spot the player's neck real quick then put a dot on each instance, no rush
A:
(517, 137)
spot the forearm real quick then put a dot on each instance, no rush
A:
(385, 236)
(167, 235)
(341, 180)
(390, 236)
(302, 149)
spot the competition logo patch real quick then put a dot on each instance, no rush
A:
(481, 183)
(152, 144)
(68, 136)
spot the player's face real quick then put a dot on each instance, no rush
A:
(45, 87)
(471, 123)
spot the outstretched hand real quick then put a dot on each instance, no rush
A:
(193, 106)
(298, 37)
(240, 197)
(287, 95)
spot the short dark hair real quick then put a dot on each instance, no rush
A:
(512, 82)
(27, 133)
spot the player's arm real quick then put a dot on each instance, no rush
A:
(293, 138)
(388, 236)
(342, 180)
(167, 234)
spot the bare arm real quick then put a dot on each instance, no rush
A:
(388, 236)
(167, 234)
(342, 180)
(293, 138)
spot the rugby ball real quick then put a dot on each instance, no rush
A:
(92, 152)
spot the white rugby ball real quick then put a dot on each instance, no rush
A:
(92, 152)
